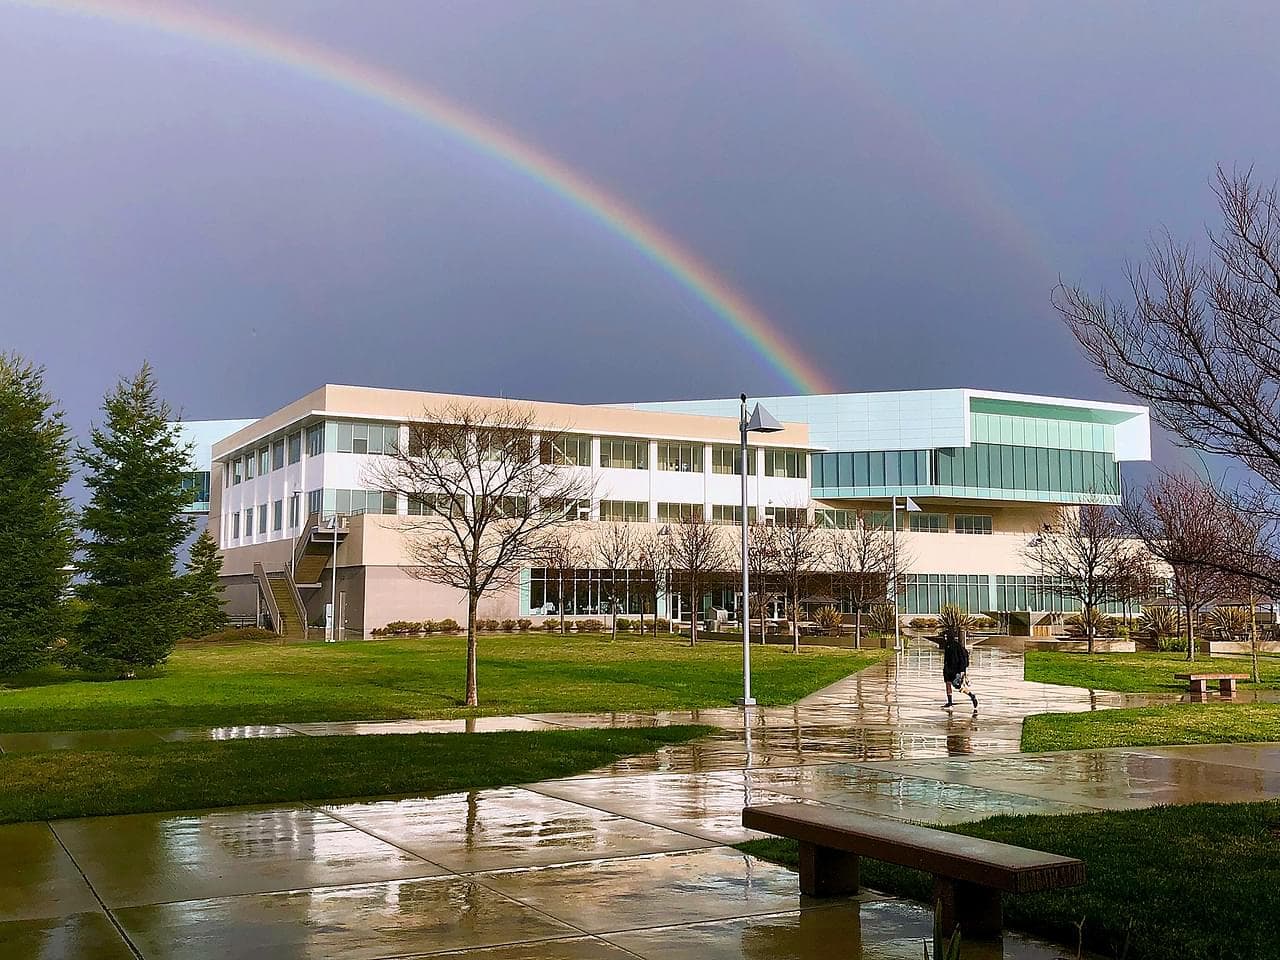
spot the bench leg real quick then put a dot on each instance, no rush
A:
(1227, 688)
(976, 910)
(1198, 688)
(827, 873)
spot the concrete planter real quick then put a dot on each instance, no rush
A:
(1236, 647)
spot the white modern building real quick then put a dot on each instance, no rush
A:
(987, 470)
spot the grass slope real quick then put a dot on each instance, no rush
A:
(1153, 726)
(1193, 882)
(202, 774)
(223, 684)
(1137, 672)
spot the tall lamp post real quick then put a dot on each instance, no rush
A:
(760, 421)
(909, 507)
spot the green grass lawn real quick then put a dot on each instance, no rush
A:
(1137, 672)
(1193, 882)
(1153, 726)
(201, 774)
(252, 683)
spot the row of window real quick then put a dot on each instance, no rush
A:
(874, 468)
(916, 522)
(1028, 468)
(264, 460)
(276, 516)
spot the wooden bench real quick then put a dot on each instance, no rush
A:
(969, 875)
(1226, 681)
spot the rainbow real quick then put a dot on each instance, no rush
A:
(362, 79)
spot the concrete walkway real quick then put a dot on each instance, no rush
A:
(628, 861)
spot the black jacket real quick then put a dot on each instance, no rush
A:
(955, 658)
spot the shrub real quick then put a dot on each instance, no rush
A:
(879, 618)
(662, 625)
(924, 623)
(1176, 644)
(1103, 625)
(523, 625)
(591, 626)
(1230, 623)
(486, 625)
(234, 634)
(954, 623)
(983, 622)
(448, 625)
(508, 626)
(828, 620)
(428, 626)
(1158, 622)
(624, 625)
(551, 626)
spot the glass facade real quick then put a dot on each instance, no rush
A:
(1040, 594)
(588, 591)
(722, 513)
(679, 512)
(196, 483)
(926, 522)
(786, 463)
(679, 457)
(930, 592)
(879, 468)
(343, 437)
(356, 501)
(1046, 470)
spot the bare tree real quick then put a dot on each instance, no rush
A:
(1198, 339)
(1180, 522)
(762, 565)
(653, 560)
(615, 551)
(798, 547)
(698, 552)
(562, 553)
(482, 501)
(1086, 549)
(861, 562)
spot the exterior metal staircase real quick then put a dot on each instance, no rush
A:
(314, 550)
(280, 590)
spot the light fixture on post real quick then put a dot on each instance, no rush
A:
(760, 421)
(910, 507)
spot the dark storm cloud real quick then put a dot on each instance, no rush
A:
(897, 186)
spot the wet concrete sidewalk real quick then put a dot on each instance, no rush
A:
(628, 861)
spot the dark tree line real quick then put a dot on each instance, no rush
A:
(130, 604)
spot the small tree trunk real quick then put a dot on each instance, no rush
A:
(857, 626)
(693, 612)
(1088, 627)
(473, 696)
(562, 603)
(795, 625)
(613, 617)
(1253, 638)
(1191, 635)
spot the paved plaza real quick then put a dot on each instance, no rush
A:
(628, 861)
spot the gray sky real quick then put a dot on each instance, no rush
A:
(896, 185)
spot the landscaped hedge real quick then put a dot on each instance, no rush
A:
(234, 634)
(417, 628)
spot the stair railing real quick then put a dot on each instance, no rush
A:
(264, 588)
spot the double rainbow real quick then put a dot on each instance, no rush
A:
(366, 80)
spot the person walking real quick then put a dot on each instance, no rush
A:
(955, 670)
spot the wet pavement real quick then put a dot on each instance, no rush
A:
(627, 861)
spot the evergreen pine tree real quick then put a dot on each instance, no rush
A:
(36, 521)
(134, 523)
(204, 593)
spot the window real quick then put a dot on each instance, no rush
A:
(971, 523)
(196, 483)
(440, 504)
(250, 466)
(726, 459)
(264, 461)
(248, 522)
(927, 522)
(586, 591)
(873, 468)
(262, 518)
(624, 511)
(277, 515)
(315, 501)
(623, 454)
(295, 505)
(568, 449)
(1001, 467)
(359, 501)
(679, 512)
(237, 470)
(344, 437)
(786, 516)
(785, 463)
(315, 439)
(235, 525)
(277, 454)
(836, 519)
(679, 457)
(295, 447)
(726, 513)
(930, 592)
(568, 509)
